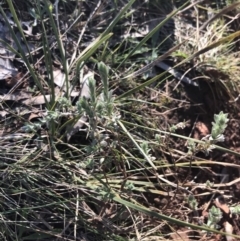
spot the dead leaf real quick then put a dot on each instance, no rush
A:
(201, 130)
(180, 235)
(59, 80)
(33, 116)
(85, 91)
(38, 100)
(12, 81)
(220, 203)
(204, 213)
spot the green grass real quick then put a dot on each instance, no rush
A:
(91, 167)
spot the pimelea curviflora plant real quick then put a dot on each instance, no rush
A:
(214, 217)
(218, 127)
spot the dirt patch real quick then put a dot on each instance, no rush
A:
(197, 106)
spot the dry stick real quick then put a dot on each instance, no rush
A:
(174, 185)
(214, 185)
(76, 215)
(191, 5)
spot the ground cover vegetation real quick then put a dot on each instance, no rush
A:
(119, 120)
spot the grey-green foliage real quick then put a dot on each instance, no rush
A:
(100, 106)
(129, 186)
(97, 108)
(89, 106)
(235, 210)
(145, 147)
(31, 127)
(191, 145)
(46, 120)
(64, 103)
(219, 125)
(180, 125)
(192, 202)
(209, 184)
(214, 217)
(106, 96)
(92, 90)
(103, 71)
